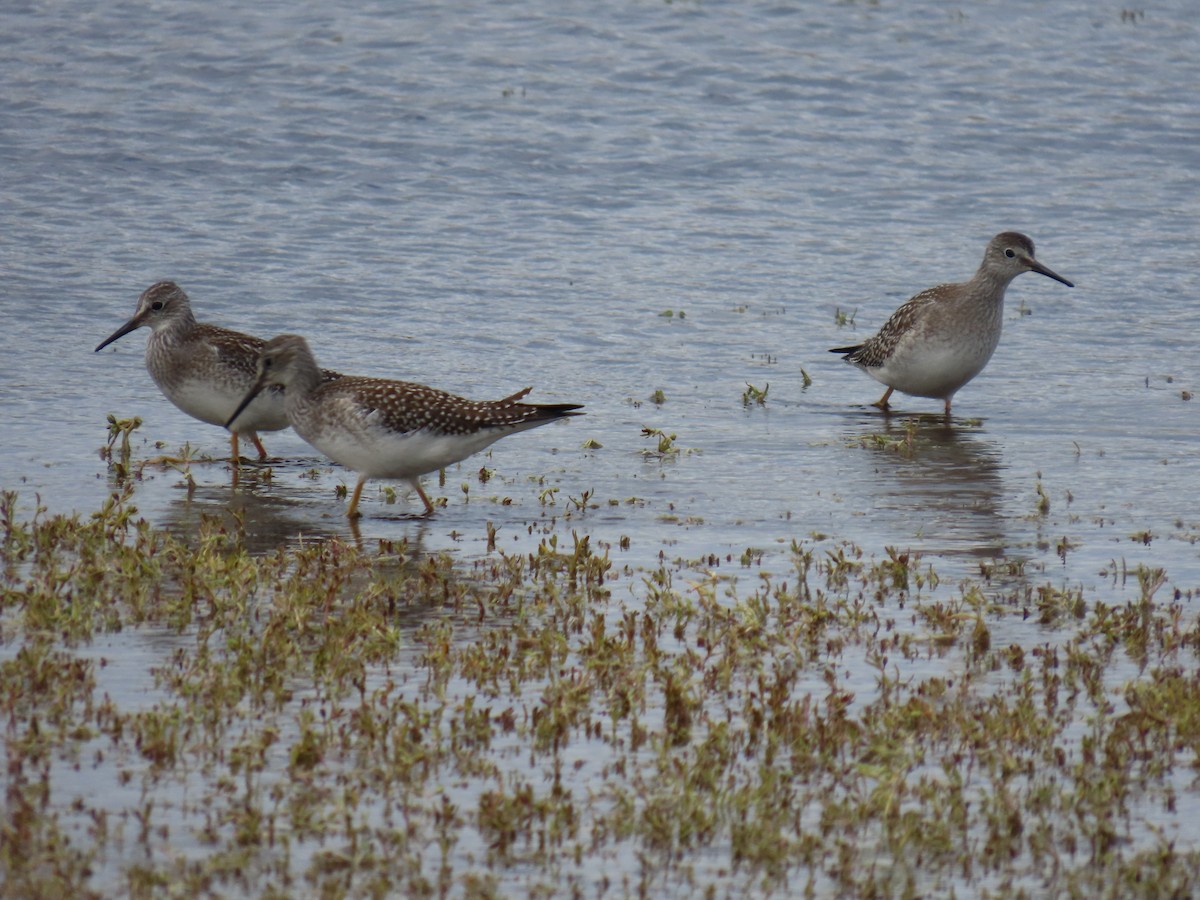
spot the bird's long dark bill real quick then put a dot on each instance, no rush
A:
(254, 392)
(1038, 267)
(132, 325)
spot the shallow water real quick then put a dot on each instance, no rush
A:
(486, 198)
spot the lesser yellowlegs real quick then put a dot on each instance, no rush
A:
(943, 337)
(203, 369)
(388, 429)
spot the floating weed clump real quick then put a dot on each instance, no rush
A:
(665, 443)
(755, 395)
(905, 444)
(182, 716)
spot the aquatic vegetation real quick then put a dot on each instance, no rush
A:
(755, 395)
(120, 429)
(1043, 502)
(905, 444)
(665, 446)
(332, 719)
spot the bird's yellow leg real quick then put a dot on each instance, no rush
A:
(420, 490)
(352, 512)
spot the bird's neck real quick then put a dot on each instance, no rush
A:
(988, 286)
(303, 379)
(177, 329)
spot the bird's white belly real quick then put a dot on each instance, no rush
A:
(208, 403)
(378, 453)
(938, 370)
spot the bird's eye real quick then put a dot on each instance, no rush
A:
(1009, 253)
(157, 305)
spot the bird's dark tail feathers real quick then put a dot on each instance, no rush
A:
(556, 410)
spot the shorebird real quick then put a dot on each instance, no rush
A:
(943, 337)
(203, 369)
(388, 429)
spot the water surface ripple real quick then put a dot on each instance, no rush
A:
(482, 197)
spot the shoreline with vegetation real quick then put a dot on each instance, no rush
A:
(184, 717)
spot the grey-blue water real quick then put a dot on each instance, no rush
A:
(488, 196)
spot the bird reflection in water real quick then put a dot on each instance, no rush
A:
(270, 514)
(940, 479)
